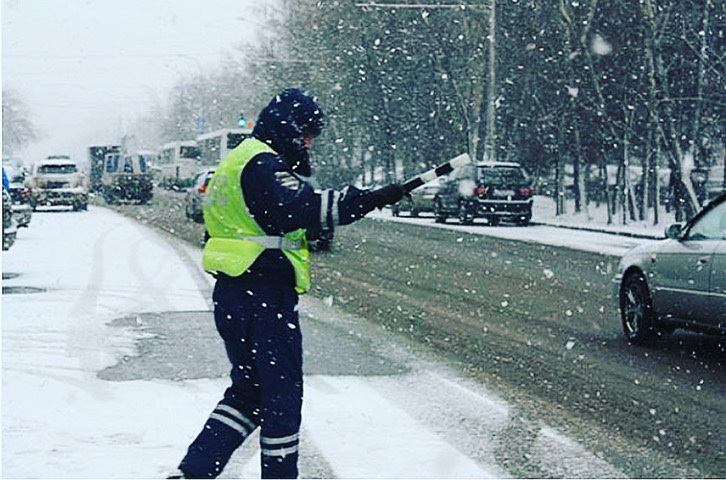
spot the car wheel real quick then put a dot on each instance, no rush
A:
(440, 216)
(465, 217)
(395, 211)
(414, 212)
(636, 309)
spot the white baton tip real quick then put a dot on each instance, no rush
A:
(428, 176)
(461, 160)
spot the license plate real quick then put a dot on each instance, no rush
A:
(504, 193)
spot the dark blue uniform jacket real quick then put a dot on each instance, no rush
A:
(281, 201)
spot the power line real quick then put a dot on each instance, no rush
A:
(115, 56)
(460, 6)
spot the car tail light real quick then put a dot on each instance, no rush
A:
(480, 191)
(202, 188)
(25, 193)
(526, 192)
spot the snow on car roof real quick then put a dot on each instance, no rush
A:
(56, 161)
(498, 164)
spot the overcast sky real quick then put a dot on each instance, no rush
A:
(84, 67)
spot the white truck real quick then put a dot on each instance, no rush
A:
(58, 180)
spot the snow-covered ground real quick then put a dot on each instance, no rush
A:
(595, 217)
(60, 420)
(587, 232)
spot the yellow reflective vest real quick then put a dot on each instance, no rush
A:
(236, 240)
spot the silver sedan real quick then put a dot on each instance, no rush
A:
(679, 282)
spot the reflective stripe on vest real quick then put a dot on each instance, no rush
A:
(236, 240)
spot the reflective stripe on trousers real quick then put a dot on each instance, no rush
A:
(261, 332)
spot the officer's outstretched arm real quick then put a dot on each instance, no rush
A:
(351, 204)
(282, 202)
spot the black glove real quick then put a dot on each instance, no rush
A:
(388, 195)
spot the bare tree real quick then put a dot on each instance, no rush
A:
(18, 128)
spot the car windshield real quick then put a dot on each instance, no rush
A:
(711, 226)
(503, 176)
(190, 152)
(61, 169)
(15, 176)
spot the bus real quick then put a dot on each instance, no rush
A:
(177, 163)
(214, 146)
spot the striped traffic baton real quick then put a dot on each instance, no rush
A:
(443, 169)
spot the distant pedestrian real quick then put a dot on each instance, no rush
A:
(259, 212)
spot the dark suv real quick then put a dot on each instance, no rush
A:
(495, 191)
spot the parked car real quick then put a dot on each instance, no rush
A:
(494, 190)
(679, 282)
(10, 230)
(420, 200)
(195, 195)
(126, 178)
(58, 180)
(20, 196)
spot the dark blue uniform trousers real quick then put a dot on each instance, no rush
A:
(261, 331)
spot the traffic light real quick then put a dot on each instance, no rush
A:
(241, 120)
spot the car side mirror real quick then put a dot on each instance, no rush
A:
(674, 231)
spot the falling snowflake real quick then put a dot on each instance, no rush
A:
(600, 46)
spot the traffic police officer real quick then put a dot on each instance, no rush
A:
(259, 212)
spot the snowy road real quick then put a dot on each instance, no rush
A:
(374, 408)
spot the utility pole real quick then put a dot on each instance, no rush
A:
(490, 148)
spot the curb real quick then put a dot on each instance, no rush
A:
(647, 236)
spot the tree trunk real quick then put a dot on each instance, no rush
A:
(580, 173)
(606, 186)
(559, 187)
(656, 182)
(697, 114)
(560, 191)
(685, 197)
(490, 152)
(645, 183)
